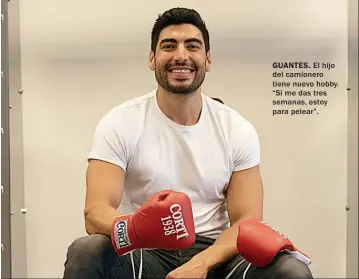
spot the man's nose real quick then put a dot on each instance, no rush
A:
(181, 54)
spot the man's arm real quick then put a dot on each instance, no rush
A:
(244, 201)
(103, 195)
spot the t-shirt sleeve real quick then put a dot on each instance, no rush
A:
(245, 147)
(108, 142)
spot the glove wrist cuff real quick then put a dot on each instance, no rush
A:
(123, 234)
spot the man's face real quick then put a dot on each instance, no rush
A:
(180, 62)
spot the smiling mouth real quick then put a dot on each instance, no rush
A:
(181, 71)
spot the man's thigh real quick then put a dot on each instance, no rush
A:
(145, 264)
(93, 256)
(284, 266)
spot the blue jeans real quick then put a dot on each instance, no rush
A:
(93, 257)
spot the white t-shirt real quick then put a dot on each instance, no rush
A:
(159, 154)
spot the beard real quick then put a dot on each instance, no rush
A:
(161, 75)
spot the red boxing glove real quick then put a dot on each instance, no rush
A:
(165, 221)
(259, 243)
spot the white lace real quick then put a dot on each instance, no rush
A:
(140, 268)
(133, 265)
(234, 269)
(299, 256)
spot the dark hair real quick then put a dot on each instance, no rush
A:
(218, 100)
(179, 16)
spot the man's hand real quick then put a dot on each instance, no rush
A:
(192, 269)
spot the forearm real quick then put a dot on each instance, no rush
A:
(99, 219)
(225, 246)
(223, 249)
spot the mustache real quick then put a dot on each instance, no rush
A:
(178, 64)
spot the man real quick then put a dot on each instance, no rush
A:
(175, 138)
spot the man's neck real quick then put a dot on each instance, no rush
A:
(182, 109)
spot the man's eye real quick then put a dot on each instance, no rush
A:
(168, 46)
(193, 46)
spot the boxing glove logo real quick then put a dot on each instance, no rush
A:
(174, 224)
(278, 232)
(122, 240)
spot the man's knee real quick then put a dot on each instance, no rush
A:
(88, 247)
(87, 253)
(285, 266)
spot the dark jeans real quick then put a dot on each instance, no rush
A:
(93, 257)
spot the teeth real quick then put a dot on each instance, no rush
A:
(186, 71)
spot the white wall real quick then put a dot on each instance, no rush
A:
(79, 59)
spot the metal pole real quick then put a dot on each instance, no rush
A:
(5, 147)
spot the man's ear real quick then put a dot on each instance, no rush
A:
(151, 61)
(208, 62)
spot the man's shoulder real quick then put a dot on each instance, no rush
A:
(225, 114)
(131, 107)
(126, 118)
(136, 103)
(239, 132)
